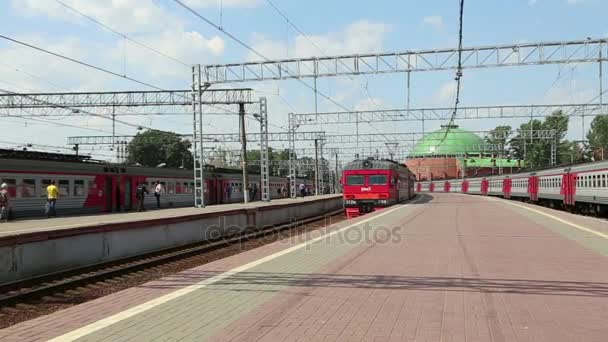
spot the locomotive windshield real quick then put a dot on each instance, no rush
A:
(355, 180)
(377, 180)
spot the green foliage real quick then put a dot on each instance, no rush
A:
(499, 136)
(598, 137)
(153, 147)
(537, 152)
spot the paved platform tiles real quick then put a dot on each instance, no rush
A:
(447, 268)
(40, 225)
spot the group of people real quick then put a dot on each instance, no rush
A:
(142, 190)
(304, 190)
(52, 194)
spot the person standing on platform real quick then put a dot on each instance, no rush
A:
(302, 189)
(52, 193)
(140, 193)
(157, 192)
(4, 203)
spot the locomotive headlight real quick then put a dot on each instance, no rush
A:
(350, 202)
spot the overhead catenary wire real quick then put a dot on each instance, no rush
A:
(324, 54)
(458, 73)
(95, 68)
(254, 51)
(123, 35)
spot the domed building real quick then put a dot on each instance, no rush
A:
(443, 154)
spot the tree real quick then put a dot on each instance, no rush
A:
(571, 152)
(521, 146)
(498, 136)
(598, 137)
(153, 147)
(537, 152)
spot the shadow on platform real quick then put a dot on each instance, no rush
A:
(244, 280)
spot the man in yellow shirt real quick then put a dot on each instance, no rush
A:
(52, 193)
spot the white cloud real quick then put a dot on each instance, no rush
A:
(434, 21)
(224, 3)
(190, 47)
(126, 16)
(144, 21)
(532, 2)
(445, 95)
(358, 37)
(371, 103)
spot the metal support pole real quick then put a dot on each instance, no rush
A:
(317, 167)
(337, 176)
(243, 152)
(408, 92)
(322, 169)
(316, 102)
(264, 167)
(601, 79)
(583, 127)
(553, 151)
(464, 168)
(292, 156)
(197, 138)
(114, 131)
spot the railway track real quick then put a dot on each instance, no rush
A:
(30, 298)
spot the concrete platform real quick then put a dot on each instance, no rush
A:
(447, 267)
(37, 247)
(75, 222)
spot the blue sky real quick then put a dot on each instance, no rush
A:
(335, 26)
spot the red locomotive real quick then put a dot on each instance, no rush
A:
(370, 185)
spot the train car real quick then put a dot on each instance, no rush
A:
(89, 187)
(370, 185)
(582, 187)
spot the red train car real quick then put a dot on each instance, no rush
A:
(370, 185)
(89, 187)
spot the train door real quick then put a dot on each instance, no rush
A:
(485, 185)
(465, 187)
(221, 190)
(533, 188)
(108, 194)
(506, 187)
(211, 190)
(128, 193)
(431, 187)
(568, 188)
(447, 186)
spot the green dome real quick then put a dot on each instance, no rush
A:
(457, 142)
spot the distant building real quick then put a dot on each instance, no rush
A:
(443, 154)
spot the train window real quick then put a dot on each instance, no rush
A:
(603, 181)
(170, 187)
(79, 188)
(355, 180)
(28, 188)
(12, 186)
(64, 187)
(377, 180)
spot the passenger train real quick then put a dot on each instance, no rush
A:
(582, 187)
(86, 186)
(370, 185)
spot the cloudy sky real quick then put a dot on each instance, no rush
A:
(329, 27)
